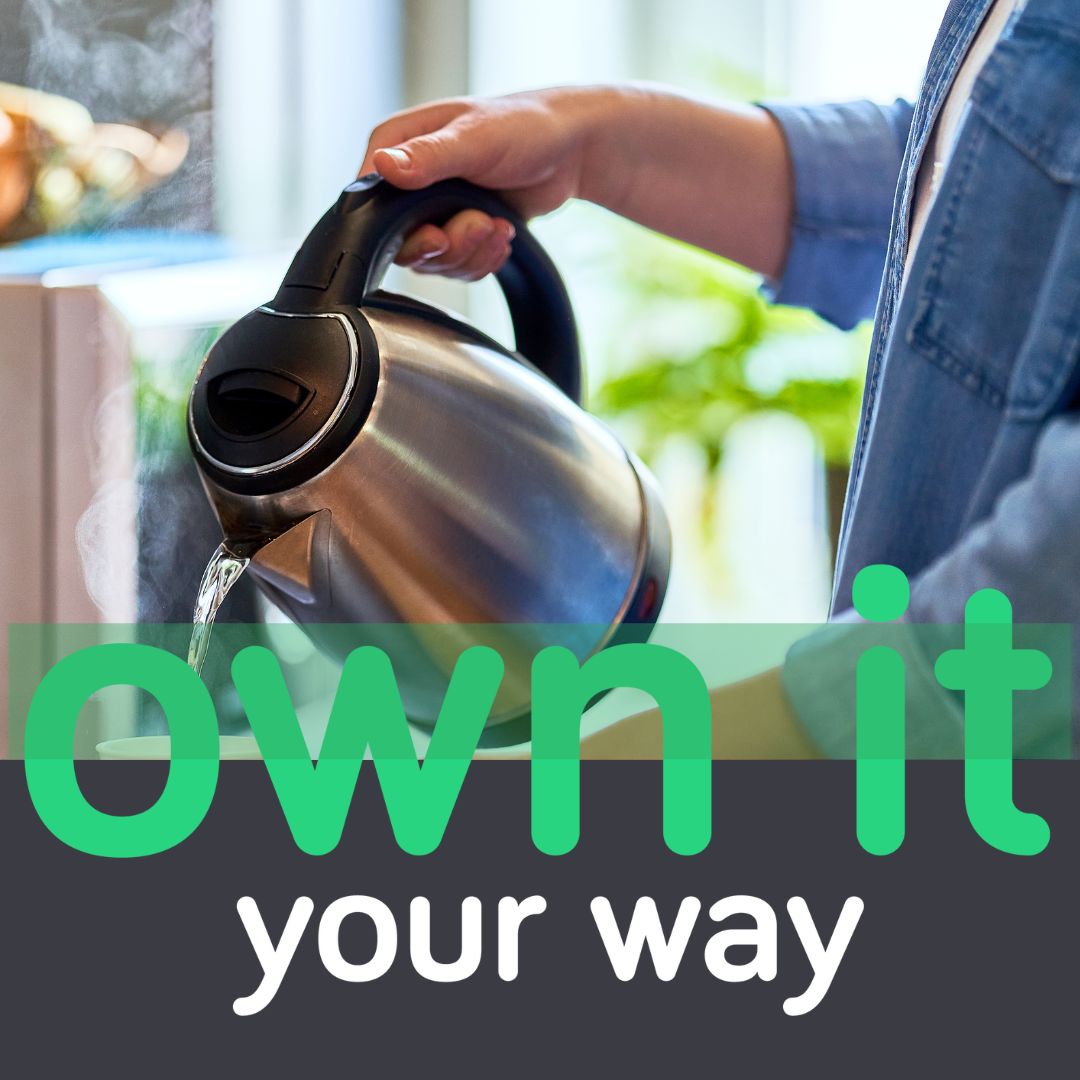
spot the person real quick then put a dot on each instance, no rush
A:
(957, 218)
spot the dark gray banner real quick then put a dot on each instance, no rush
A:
(962, 961)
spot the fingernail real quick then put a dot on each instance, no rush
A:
(511, 232)
(399, 157)
(429, 251)
(480, 232)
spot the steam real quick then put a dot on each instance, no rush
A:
(150, 56)
(146, 62)
(106, 553)
(146, 528)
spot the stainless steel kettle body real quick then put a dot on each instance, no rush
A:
(401, 479)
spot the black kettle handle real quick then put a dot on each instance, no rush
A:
(349, 251)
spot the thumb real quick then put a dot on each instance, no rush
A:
(418, 162)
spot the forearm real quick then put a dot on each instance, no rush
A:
(752, 720)
(717, 176)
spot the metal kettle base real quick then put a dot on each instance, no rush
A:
(637, 622)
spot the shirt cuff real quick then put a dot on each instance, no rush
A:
(846, 162)
(819, 679)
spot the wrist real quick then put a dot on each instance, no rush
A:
(614, 140)
(594, 119)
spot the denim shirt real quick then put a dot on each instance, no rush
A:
(966, 470)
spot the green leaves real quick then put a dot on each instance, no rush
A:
(702, 388)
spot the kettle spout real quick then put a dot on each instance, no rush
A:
(297, 563)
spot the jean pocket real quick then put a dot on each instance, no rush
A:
(997, 300)
(1028, 91)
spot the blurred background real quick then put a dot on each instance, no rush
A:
(173, 132)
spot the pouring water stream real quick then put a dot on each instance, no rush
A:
(222, 573)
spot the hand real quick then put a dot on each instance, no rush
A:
(529, 147)
(718, 176)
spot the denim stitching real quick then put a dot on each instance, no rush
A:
(940, 74)
(1041, 144)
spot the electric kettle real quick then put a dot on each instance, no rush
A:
(396, 475)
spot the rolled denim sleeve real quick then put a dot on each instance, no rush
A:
(846, 162)
(1025, 550)
(819, 680)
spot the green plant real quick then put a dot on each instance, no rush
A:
(161, 393)
(700, 351)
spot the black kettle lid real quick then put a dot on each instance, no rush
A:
(278, 391)
(285, 389)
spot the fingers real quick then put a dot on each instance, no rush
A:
(453, 150)
(424, 243)
(489, 255)
(431, 143)
(472, 246)
(408, 125)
